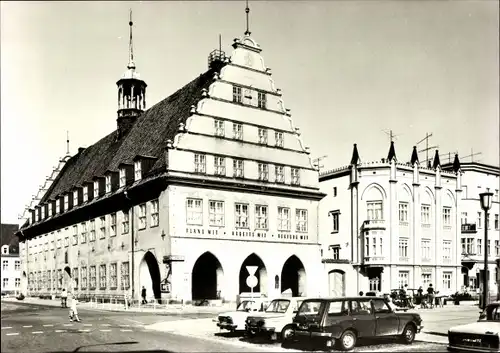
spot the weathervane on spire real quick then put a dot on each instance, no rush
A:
(247, 11)
(67, 142)
(131, 64)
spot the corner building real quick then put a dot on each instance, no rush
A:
(184, 195)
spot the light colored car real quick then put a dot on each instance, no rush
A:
(480, 336)
(276, 320)
(235, 320)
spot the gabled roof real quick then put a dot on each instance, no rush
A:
(148, 137)
(8, 237)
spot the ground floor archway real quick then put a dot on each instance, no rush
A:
(207, 278)
(293, 277)
(336, 283)
(149, 276)
(261, 274)
(66, 279)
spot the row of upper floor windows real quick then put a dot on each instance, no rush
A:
(196, 215)
(200, 166)
(5, 265)
(107, 225)
(473, 246)
(220, 130)
(111, 182)
(5, 282)
(479, 220)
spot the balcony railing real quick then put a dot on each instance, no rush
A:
(374, 224)
(374, 260)
(469, 228)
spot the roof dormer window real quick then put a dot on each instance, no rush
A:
(58, 206)
(75, 197)
(5, 250)
(108, 183)
(137, 170)
(96, 188)
(43, 211)
(38, 213)
(86, 193)
(66, 202)
(123, 177)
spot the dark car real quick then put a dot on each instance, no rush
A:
(480, 336)
(341, 321)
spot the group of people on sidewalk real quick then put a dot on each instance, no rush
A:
(73, 311)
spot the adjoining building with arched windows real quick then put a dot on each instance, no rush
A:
(183, 196)
(386, 224)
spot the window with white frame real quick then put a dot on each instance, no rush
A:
(112, 225)
(75, 198)
(263, 136)
(426, 249)
(335, 252)
(66, 204)
(403, 278)
(142, 216)
(216, 213)
(497, 248)
(137, 170)
(237, 131)
(125, 222)
(463, 219)
(85, 195)
(92, 230)
(5, 282)
(83, 274)
(447, 216)
(58, 242)
(403, 213)
(5, 265)
(280, 174)
(5, 249)
(261, 100)
(447, 280)
(75, 234)
(487, 221)
(278, 136)
(219, 166)
(479, 246)
(194, 212)
(155, 213)
(403, 247)
(468, 246)
(108, 183)
(301, 221)
(496, 222)
(113, 280)
(479, 220)
(335, 220)
(426, 279)
(200, 163)
(17, 265)
(219, 128)
(102, 276)
(125, 275)
(238, 171)
(446, 251)
(75, 277)
(261, 217)
(102, 228)
(284, 219)
(295, 176)
(17, 282)
(123, 177)
(93, 280)
(241, 215)
(263, 171)
(236, 94)
(58, 206)
(374, 210)
(83, 234)
(96, 188)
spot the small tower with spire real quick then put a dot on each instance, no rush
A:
(131, 93)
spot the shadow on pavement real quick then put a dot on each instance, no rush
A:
(437, 333)
(313, 345)
(108, 349)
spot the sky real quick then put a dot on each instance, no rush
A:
(350, 71)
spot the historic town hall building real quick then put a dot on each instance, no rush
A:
(184, 195)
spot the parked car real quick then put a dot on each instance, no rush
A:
(480, 336)
(235, 320)
(276, 320)
(342, 321)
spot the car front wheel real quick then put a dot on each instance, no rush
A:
(347, 341)
(287, 333)
(408, 335)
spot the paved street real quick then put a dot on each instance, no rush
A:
(35, 328)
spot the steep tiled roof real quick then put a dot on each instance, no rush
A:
(8, 237)
(148, 137)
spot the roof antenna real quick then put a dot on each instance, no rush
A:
(247, 10)
(220, 42)
(131, 64)
(67, 142)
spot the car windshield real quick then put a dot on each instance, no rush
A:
(245, 305)
(310, 307)
(278, 306)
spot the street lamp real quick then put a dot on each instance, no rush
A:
(485, 199)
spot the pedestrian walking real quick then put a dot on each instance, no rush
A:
(73, 311)
(143, 295)
(64, 298)
(430, 295)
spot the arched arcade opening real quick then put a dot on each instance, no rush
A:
(149, 275)
(206, 278)
(261, 274)
(293, 277)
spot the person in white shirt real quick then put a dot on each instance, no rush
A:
(73, 311)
